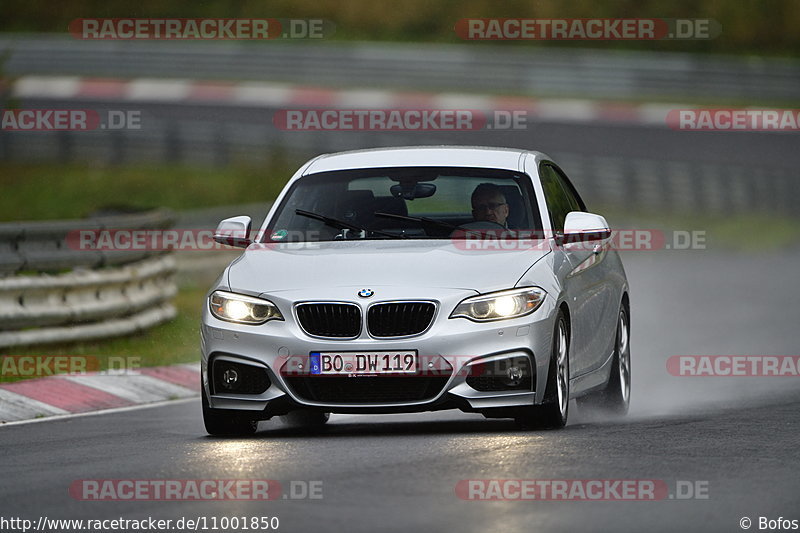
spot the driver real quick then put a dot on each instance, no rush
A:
(489, 204)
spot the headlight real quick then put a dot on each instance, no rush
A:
(242, 309)
(500, 305)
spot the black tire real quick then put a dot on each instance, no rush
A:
(554, 409)
(226, 423)
(615, 398)
(306, 419)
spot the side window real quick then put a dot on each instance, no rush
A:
(558, 203)
(575, 201)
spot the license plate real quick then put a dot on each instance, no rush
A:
(363, 363)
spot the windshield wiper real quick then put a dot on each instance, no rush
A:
(341, 224)
(423, 220)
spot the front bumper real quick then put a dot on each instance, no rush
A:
(454, 346)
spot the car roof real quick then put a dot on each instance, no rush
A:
(423, 156)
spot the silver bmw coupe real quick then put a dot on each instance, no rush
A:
(415, 279)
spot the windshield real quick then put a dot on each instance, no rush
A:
(402, 203)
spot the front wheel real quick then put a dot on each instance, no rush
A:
(554, 410)
(226, 423)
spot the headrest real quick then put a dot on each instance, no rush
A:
(517, 215)
(391, 205)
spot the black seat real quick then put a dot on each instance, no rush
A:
(357, 207)
(517, 214)
(391, 204)
(394, 206)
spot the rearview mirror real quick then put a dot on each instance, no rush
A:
(234, 231)
(411, 190)
(584, 227)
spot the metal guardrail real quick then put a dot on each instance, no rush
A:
(44, 246)
(104, 294)
(436, 67)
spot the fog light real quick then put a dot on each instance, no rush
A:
(238, 378)
(229, 378)
(514, 375)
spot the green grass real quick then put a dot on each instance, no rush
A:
(50, 191)
(741, 232)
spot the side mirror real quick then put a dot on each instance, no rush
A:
(584, 227)
(234, 231)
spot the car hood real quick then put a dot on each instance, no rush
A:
(266, 268)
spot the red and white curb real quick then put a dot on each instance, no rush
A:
(265, 94)
(95, 391)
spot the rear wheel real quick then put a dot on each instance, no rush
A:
(554, 410)
(615, 399)
(225, 422)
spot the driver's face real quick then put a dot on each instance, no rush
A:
(491, 208)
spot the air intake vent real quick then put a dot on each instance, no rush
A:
(330, 319)
(399, 319)
(367, 390)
